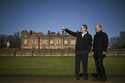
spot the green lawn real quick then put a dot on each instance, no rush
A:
(54, 65)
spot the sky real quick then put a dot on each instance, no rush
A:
(44, 15)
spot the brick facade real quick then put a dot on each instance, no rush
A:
(52, 40)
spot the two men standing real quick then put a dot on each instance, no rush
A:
(83, 47)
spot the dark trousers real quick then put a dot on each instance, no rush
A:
(100, 70)
(81, 56)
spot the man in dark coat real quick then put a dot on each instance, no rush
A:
(100, 46)
(83, 46)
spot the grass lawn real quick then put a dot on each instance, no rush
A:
(54, 65)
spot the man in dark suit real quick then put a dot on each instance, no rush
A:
(100, 46)
(83, 46)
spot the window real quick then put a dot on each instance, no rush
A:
(72, 42)
(25, 41)
(51, 42)
(65, 42)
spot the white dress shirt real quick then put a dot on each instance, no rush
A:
(83, 34)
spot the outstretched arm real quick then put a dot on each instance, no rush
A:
(71, 32)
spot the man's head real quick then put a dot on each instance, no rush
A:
(84, 28)
(98, 27)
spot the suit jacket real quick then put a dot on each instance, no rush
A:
(82, 43)
(100, 42)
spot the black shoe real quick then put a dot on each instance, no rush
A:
(77, 78)
(85, 76)
(94, 75)
(104, 78)
(100, 79)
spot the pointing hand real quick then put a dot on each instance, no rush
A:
(63, 28)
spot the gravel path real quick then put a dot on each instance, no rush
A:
(40, 79)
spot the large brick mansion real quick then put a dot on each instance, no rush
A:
(51, 40)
